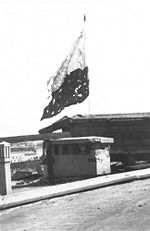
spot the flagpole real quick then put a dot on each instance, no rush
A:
(89, 105)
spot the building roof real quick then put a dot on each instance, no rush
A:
(47, 136)
(79, 140)
(65, 121)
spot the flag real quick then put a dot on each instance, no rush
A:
(70, 84)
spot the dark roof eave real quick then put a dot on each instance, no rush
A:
(65, 121)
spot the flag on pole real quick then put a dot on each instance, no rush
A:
(70, 84)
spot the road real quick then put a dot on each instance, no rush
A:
(114, 208)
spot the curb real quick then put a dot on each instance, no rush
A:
(49, 192)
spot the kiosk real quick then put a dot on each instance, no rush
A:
(78, 157)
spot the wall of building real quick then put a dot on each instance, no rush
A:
(76, 160)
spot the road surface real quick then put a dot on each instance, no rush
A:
(114, 208)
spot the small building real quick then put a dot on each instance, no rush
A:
(78, 157)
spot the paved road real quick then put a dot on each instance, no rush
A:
(115, 208)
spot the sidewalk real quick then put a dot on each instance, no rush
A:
(18, 198)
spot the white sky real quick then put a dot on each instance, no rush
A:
(36, 35)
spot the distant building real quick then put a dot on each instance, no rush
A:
(131, 132)
(22, 152)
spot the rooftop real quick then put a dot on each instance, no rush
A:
(92, 139)
(97, 117)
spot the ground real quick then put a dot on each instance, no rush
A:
(114, 208)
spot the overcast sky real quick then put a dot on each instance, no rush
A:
(36, 35)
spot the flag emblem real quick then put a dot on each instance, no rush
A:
(70, 84)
